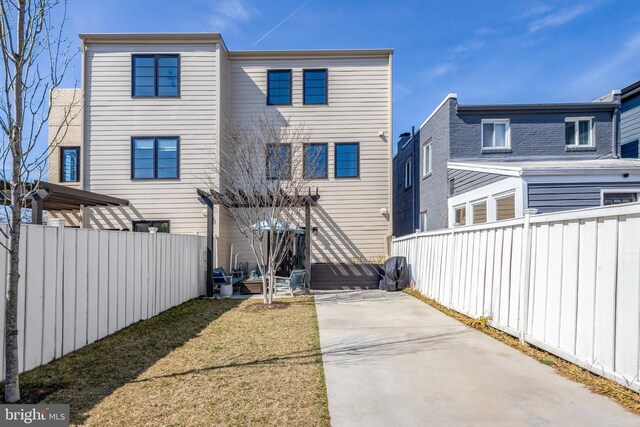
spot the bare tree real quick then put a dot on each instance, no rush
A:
(264, 171)
(35, 59)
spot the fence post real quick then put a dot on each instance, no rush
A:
(59, 302)
(525, 275)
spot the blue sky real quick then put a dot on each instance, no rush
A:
(489, 51)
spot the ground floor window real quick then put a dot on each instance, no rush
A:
(506, 207)
(460, 215)
(143, 226)
(423, 221)
(619, 197)
(479, 212)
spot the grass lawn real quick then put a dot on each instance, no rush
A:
(205, 362)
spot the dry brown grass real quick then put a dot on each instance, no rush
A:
(628, 398)
(205, 362)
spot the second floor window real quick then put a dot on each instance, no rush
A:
(347, 160)
(426, 158)
(155, 158)
(278, 87)
(278, 161)
(408, 173)
(155, 75)
(69, 164)
(577, 132)
(495, 134)
(315, 160)
(315, 86)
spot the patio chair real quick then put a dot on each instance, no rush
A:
(220, 277)
(296, 280)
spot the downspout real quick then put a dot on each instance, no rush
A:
(83, 96)
(614, 133)
(416, 182)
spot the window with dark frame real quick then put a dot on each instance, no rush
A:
(70, 164)
(315, 87)
(278, 161)
(619, 198)
(155, 75)
(143, 226)
(347, 159)
(316, 160)
(155, 157)
(278, 87)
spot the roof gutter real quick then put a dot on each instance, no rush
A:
(540, 108)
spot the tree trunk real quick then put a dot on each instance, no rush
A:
(12, 385)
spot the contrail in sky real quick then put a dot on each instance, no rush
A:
(281, 22)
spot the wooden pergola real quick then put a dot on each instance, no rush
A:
(54, 197)
(239, 199)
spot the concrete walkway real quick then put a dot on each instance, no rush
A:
(391, 360)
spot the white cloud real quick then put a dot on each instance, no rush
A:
(438, 71)
(467, 46)
(228, 13)
(608, 70)
(558, 18)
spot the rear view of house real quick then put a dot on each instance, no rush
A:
(154, 108)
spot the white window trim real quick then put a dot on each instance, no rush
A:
(427, 168)
(618, 190)
(466, 212)
(577, 131)
(473, 205)
(501, 196)
(503, 188)
(507, 135)
(408, 177)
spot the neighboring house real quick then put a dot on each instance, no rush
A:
(406, 185)
(482, 163)
(630, 121)
(155, 106)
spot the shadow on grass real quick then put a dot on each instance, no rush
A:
(85, 377)
(345, 352)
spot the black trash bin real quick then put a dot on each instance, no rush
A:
(396, 274)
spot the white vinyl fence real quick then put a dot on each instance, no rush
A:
(79, 285)
(568, 282)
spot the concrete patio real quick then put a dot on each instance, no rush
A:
(391, 360)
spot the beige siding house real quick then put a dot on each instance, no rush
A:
(216, 87)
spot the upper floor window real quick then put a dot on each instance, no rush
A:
(495, 134)
(426, 158)
(155, 158)
(155, 75)
(577, 131)
(347, 160)
(316, 160)
(69, 164)
(408, 173)
(315, 86)
(278, 87)
(278, 161)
